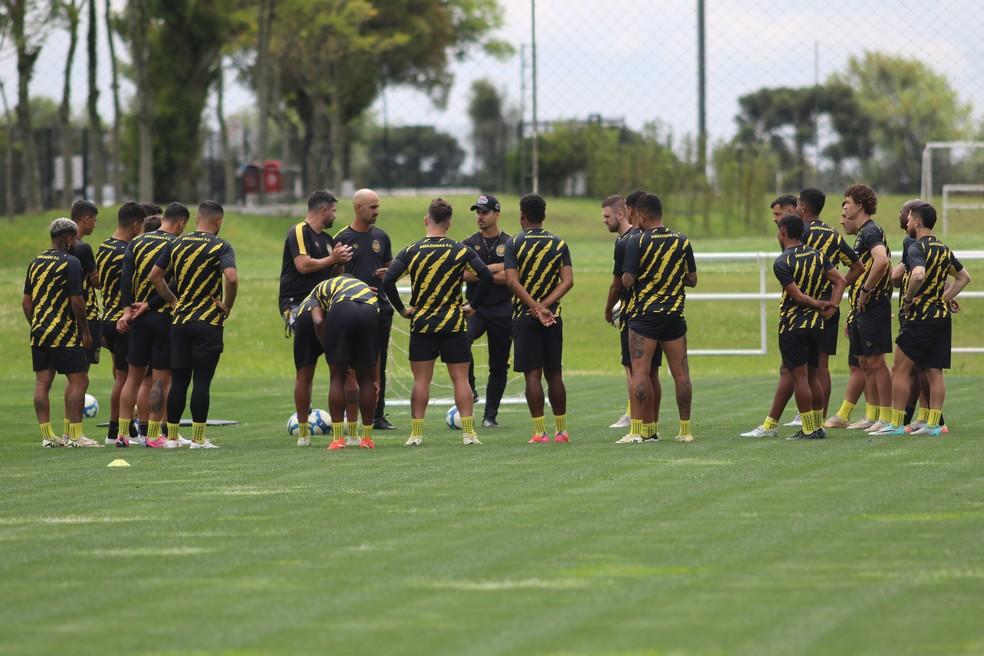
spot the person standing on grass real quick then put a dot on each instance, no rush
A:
(198, 263)
(924, 339)
(493, 316)
(539, 273)
(659, 264)
(55, 310)
(436, 265)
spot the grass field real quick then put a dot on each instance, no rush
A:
(853, 545)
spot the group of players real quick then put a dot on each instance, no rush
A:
(164, 304)
(154, 297)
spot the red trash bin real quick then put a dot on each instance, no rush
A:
(273, 179)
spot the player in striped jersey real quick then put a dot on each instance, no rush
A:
(55, 311)
(198, 262)
(344, 314)
(924, 339)
(109, 263)
(84, 213)
(806, 276)
(539, 273)
(658, 266)
(436, 265)
(148, 321)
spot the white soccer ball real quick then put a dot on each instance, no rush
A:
(293, 428)
(320, 422)
(453, 418)
(91, 406)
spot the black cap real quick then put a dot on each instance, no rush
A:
(486, 202)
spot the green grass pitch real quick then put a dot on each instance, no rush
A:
(724, 546)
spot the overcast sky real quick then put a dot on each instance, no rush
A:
(636, 59)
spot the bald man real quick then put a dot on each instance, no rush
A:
(371, 257)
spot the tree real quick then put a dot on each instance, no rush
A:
(908, 104)
(71, 12)
(117, 167)
(9, 200)
(96, 150)
(228, 166)
(489, 132)
(136, 33)
(417, 156)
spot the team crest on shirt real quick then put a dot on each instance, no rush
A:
(376, 246)
(500, 250)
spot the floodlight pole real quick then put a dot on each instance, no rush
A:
(701, 92)
(535, 154)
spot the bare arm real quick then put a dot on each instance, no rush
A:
(512, 280)
(78, 310)
(898, 271)
(960, 281)
(318, 319)
(690, 279)
(879, 264)
(839, 283)
(614, 293)
(855, 272)
(340, 254)
(800, 298)
(231, 288)
(27, 304)
(497, 270)
(628, 280)
(157, 279)
(916, 279)
(564, 286)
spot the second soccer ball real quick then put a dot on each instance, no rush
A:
(453, 418)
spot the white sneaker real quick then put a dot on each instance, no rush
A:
(207, 444)
(835, 421)
(797, 421)
(861, 424)
(110, 441)
(172, 444)
(684, 438)
(304, 441)
(760, 431)
(630, 438)
(413, 441)
(470, 439)
(84, 443)
(622, 422)
(914, 426)
(139, 440)
(352, 441)
(877, 426)
(183, 441)
(56, 442)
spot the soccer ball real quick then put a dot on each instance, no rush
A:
(320, 422)
(453, 418)
(293, 427)
(91, 407)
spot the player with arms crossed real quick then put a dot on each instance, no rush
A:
(925, 336)
(198, 262)
(658, 266)
(539, 274)
(436, 265)
(55, 310)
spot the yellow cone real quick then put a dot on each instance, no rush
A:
(119, 462)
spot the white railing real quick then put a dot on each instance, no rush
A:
(767, 300)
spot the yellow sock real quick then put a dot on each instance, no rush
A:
(635, 427)
(845, 410)
(684, 427)
(173, 430)
(923, 415)
(367, 431)
(47, 432)
(770, 423)
(417, 427)
(67, 424)
(124, 430)
(153, 429)
(539, 425)
(655, 427)
(468, 425)
(351, 428)
(818, 419)
(628, 408)
(649, 429)
(934, 417)
(198, 431)
(303, 429)
(338, 430)
(870, 411)
(75, 430)
(885, 413)
(807, 419)
(561, 422)
(898, 417)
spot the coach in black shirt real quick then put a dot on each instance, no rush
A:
(493, 314)
(372, 253)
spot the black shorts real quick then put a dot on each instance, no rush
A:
(63, 359)
(828, 334)
(799, 347)
(352, 335)
(657, 360)
(92, 353)
(150, 341)
(536, 346)
(871, 330)
(116, 343)
(661, 327)
(192, 341)
(307, 348)
(453, 348)
(927, 343)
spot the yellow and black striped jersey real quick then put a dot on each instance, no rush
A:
(660, 259)
(83, 252)
(908, 241)
(869, 236)
(345, 287)
(436, 266)
(939, 262)
(53, 277)
(804, 267)
(620, 244)
(831, 245)
(109, 262)
(138, 262)
(537, 256)
(196, 261)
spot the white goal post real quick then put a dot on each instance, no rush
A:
(951, 194)
(926, 188)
